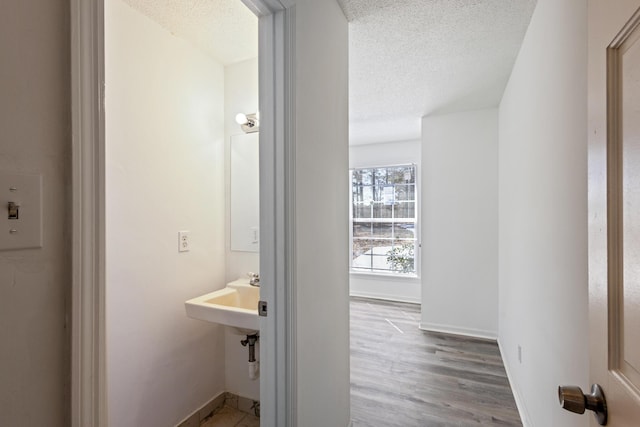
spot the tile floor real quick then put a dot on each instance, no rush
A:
(231, 417)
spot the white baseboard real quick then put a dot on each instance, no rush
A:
(468, 332)
(522, 409)
(385, 297)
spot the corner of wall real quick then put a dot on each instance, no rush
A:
(460, 222)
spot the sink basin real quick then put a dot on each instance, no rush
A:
(235, 306)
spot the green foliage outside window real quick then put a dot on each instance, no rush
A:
(400, 258)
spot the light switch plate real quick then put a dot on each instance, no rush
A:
(24, 190)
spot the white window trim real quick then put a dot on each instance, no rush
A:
(418, 247)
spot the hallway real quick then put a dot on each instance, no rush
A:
(404, 377)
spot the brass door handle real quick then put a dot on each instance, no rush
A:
(573, 399)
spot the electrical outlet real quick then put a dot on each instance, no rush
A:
(520, 354)
(183, 241)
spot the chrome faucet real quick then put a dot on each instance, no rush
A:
(254, 279)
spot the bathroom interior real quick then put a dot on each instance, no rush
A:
(182, 205)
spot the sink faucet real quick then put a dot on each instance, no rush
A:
(254, 279)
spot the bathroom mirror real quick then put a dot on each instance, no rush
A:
(245, 193)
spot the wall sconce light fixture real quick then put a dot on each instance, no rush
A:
(248, 122)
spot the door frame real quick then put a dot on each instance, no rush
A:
(277, 161)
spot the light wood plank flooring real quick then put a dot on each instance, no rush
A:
(404, 377)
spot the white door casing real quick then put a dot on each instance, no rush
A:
(614, 193)
(277, 330)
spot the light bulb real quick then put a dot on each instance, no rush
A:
(241, 119)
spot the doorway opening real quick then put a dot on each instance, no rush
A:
(90, 190)
(175, 78)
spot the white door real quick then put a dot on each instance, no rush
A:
(614, 205)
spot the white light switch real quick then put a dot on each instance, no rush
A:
(20, 211)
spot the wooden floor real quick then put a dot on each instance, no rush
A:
(404, 377)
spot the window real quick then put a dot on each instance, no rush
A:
(384, 220)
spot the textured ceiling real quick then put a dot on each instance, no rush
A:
(407, 58)
(411, 58)
(225, 29)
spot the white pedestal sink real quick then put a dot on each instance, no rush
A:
(235, 306)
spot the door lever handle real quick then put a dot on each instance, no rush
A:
(573, 399)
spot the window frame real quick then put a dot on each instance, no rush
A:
(417, 242)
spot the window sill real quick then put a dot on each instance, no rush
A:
(385, 276)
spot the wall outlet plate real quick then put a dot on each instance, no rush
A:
(183, 241)
(519, 354)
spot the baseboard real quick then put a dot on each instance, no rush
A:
(384, 297)
(522, 409)
(455, 330)
(204, 411)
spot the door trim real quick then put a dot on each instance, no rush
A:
(88, 390)
(615, 304)
(277, 218)
(277, 166)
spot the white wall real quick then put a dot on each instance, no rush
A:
(380, 286)
(321, 214)
(165, 173)
(35, 283)
(543, 213)
(460, 223)
(241, 96)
